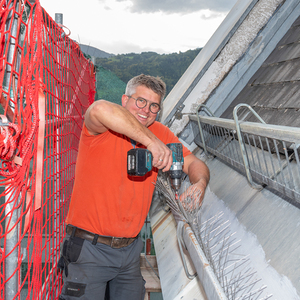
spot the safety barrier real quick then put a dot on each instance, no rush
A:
(46, 86)
(267, 154)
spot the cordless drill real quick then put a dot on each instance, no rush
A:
(175, 171)
(139, 163)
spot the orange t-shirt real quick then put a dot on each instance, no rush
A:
(105, 200)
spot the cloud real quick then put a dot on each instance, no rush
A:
(179, 6)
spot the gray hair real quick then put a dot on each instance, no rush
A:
(153, 83)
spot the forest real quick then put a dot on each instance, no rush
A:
(170, 67)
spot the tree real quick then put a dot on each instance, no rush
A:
(170, 67)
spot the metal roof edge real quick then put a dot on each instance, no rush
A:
(242, 9)
(254, 57)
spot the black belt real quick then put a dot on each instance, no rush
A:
(113, 242)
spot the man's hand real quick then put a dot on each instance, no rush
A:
(199, 177)
(192, 198)
(162, 155)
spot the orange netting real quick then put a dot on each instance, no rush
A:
(46, 86)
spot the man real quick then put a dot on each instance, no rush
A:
(108, 208)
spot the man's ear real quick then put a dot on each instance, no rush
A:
(124, 100)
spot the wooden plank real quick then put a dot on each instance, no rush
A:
(152, 281)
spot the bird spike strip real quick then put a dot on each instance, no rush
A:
(46, 86)
(232, 269)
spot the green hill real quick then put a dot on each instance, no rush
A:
(114, 72)
(109, 86)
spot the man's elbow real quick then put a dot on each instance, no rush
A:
(198, 168)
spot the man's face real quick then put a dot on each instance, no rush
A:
(143, 115)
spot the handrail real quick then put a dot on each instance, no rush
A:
(289, 134)
(267, 153)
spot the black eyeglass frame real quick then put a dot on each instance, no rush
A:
(146, 102)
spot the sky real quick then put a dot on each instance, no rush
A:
(126, 26)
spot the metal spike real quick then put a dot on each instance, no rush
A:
(220, 246)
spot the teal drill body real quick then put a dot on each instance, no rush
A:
(175, 171)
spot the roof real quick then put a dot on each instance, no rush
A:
(255, 62)
(274, 90)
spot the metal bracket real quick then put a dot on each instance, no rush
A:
(180, 227)
(199, 124)
(242, 144)
(177, 115)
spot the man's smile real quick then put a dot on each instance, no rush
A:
(143, 116)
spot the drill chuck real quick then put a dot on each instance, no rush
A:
(176, 183)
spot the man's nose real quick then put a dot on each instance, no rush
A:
(147, 108)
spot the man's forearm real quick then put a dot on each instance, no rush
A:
(199, 177)
(196, 170)
(103, 115)
(198, 173)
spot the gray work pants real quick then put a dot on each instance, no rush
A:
(98, 272)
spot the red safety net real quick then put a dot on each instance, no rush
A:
(46, 86)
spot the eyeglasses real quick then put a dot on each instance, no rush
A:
(141, 103)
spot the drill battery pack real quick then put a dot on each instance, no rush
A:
(139, 162)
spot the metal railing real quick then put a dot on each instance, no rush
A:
(267, 154)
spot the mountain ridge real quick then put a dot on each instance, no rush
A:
(170, 67)
(95, 52)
